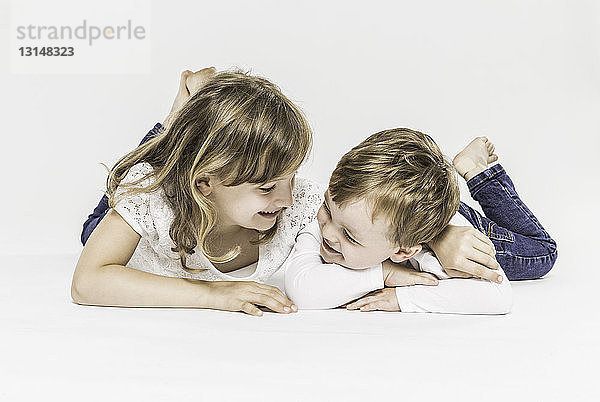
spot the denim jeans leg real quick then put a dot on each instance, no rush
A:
(102, 208)
(523, 247)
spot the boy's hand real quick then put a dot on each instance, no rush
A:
(465, 252)
(383, 299)
(402, 275)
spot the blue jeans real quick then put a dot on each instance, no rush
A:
(95, 217)
(524, 249)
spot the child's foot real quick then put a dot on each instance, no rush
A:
(475, 158)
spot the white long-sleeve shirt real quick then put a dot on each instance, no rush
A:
(312, 284)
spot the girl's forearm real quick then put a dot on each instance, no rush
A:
(120, 286)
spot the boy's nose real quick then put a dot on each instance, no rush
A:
(329, 234)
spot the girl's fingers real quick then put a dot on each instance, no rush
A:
(251, 309)
(268, 301)
(273, 292)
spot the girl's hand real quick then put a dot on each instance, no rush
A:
(465, 252)
(246, 296)
(382, 299)
(189, 83)
(401, 275)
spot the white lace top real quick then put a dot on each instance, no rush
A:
(150, 215)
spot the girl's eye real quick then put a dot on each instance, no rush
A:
(349, 238)
(267, 189)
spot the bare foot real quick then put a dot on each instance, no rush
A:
(475, 158)
(197, 80)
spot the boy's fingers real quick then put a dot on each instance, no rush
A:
(376, 305)
(480, 271)
(359, 303)
(484, 259)
(427, 279)
(485, 240)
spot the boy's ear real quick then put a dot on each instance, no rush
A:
(205, 185)
(403, 255)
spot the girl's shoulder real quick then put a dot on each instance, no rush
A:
(147, 212)
(308, 195)
(137, 172)
(307, 199)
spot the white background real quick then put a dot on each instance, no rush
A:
(524, 73)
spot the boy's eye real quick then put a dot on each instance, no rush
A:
(267, 189)
(349, 238)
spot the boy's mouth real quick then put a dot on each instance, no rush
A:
(328, 248)
(270, 214)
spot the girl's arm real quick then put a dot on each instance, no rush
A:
(102, 278)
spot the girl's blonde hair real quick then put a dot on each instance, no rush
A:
(238, 127)
(403, 175)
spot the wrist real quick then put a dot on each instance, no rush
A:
(203, 294)
(435, 243)
(386, 269)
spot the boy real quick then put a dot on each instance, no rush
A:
(389, 195)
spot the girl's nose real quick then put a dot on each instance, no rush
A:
(284, 197)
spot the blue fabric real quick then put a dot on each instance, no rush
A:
(102, 208)
(524, 249)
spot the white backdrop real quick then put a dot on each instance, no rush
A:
(524, 73)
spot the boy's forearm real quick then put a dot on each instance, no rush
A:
(120, 286)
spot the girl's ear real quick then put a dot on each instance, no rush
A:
(403, 255)
(205, 185)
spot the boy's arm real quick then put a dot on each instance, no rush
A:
(312, 284)
(454, 295)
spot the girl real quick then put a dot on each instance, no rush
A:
(207, 209)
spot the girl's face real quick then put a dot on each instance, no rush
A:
(251, 206)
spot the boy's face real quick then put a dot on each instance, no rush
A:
(351, 239)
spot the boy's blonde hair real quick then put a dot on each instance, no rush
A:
(238, 127)
(405, 177)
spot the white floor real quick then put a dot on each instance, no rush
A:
(53, 349)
